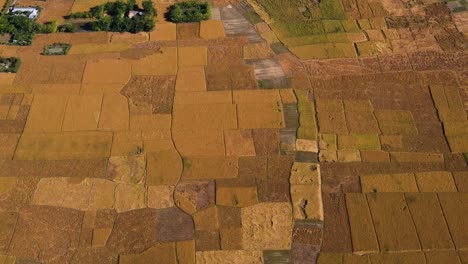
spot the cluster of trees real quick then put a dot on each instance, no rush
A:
(9, 64)
(114, 16)
(22, 29)
(189, 11)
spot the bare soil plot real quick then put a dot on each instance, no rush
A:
(187, 31)
(155, 91)
(258, 51)
(230, 77)
(225, 55)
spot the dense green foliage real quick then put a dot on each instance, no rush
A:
(22, 29)
(9, 64)
(189, 11)
(68, 27)
(56, 49)
(114, 16)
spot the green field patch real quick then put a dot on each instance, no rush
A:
(332, 26)
(332, 9)
(350, 25)
(305, 40)
(364, 24)
(297, 29)
(359, 141)
(341, 50)
(337, 38)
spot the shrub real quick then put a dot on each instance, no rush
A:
(189, 11)
(81, 15)
(148, 8)
(47, 28)
(68, 27)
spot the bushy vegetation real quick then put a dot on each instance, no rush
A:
(67, 27)
(22, 29)
(56, 49)
(189, 11)
(114, 16)
(9, 64)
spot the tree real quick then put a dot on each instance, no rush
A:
(132, 5)
(69, 27)
(148, 8)
(189, 11)
(116, 9)
(97, 11)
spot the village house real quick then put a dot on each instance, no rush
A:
(30, 12)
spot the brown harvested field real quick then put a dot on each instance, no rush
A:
(188, 31)
(107, 72)
(129, 38)
(164, 31)
(163, 62)
(275, 132)
(44, 39)
(211, 29)
(56, 10)
(156, 91)
(90, 38)
(98, 48)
